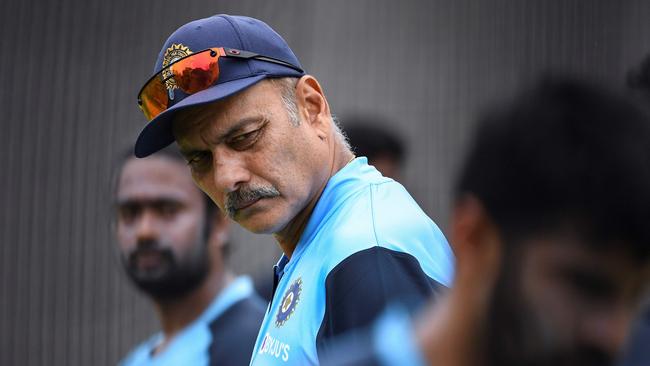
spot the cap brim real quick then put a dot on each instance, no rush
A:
(158, 133)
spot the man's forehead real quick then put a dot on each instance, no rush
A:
(154, 177)
(216, 118)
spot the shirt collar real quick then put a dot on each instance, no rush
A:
(340, 186)
(239, 289)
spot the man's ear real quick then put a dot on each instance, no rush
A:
(312, 105)
(475, 238)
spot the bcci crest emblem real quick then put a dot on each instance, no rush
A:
(289, 303)
(173, 53)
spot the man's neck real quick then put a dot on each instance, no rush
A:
(177, 314)
(288, 237)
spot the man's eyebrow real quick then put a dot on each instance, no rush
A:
(189, 152)
(236, 128)
(124, 202)
(127, 201)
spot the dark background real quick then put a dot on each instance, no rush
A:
(70, 71)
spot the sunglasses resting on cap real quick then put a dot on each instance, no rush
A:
(191, 74)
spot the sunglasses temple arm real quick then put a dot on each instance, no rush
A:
(275, 60)
(249, 55)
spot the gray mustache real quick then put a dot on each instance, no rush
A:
(245, 194)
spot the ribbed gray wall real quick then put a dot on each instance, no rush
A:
(70, 70)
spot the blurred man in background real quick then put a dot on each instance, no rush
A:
(638, 350)
(259, 137)
(550, 231)
(173, 245)
(384, 148)
(551, 234)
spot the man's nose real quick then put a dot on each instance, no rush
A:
(147, 226)
(230, 171)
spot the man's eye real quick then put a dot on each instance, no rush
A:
(128, 212)
(245, 140)
(199, 162)
(168, 209)
(591, 286)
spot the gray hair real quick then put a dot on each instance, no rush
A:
(287, 88)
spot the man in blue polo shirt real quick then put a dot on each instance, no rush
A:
(173, 245)
(257, 132)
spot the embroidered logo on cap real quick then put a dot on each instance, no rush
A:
(173, 53)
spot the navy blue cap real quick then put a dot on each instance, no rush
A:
(235, 75)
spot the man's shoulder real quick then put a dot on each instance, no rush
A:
(378, 209)
(382, 214)
(139, 354)
(359, 288)
(235, 330)
(241, 315)
(395, 211)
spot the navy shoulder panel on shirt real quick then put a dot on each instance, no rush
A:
(234, 332)
(360, 287)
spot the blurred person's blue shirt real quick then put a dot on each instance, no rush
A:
(236, 310)
(637, 352)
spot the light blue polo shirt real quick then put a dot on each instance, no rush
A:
(366, 244)
(191, 345)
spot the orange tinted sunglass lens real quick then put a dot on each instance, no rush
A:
(154, 99)
(197, 72)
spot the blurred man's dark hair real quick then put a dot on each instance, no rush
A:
(368, 137)
(563, 155)
(383, 147)
(638, 79)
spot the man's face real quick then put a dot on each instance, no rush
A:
(161, 227)
(558, 302)
(259, 167)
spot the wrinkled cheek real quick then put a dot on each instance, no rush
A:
(207, 185)
(216, 197)
(279, 214)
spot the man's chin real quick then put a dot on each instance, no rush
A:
(150, 275)
(171, 285)
(258, 227)
(259, 222)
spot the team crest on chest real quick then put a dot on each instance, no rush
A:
(289, 303)
(172, 54)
